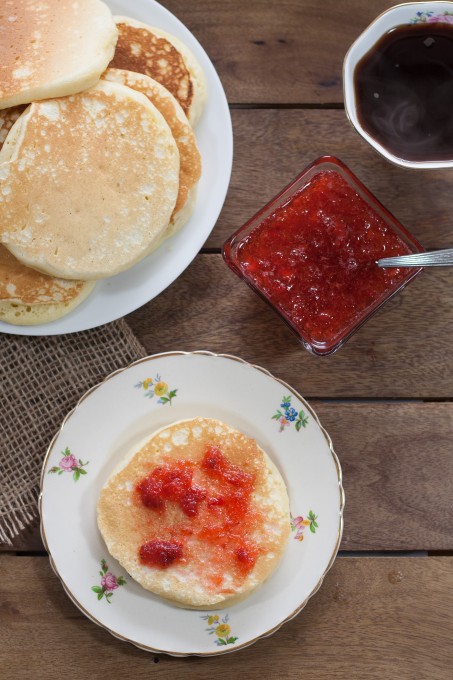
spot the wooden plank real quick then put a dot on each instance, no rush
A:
(288, 51)
(271, 147)
(403, 351)
(397, 461)
(28, 541)
(397, 624)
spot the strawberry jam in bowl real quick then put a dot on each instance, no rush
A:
(311, 254)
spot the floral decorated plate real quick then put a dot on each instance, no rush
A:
(118, 414)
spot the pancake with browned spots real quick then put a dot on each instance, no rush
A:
(197, 514)
(28, 297)
(110, 168)
(163, 57)
(190, 159)
(52, 48)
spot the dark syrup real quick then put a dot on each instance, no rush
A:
(404, 91)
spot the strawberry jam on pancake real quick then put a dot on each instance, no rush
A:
(198, 515)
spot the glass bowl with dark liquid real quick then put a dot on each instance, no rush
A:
(398, 84)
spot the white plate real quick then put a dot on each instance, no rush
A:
(119, 295)
(116, 415)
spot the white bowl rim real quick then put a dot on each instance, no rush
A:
(350, 60)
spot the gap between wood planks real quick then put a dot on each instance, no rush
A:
(279, 105)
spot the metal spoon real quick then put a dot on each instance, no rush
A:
(438, 258)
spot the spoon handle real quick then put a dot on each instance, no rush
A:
(438, 258)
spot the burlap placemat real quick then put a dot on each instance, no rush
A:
(41, 380)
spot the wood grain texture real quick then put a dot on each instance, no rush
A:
(271, 147)
(403, 351)
(285, 52)
(397, 461)
(373, 618)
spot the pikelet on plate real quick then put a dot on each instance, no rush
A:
(102, 165)
(28, 297)
(155, 53)
(52, 48)
(189, 156)
(197, 514)
(110, 166)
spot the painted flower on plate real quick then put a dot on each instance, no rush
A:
(69, 463)
(109, 583)
(299, 524)
(161, 388)
(287, 414)
(157, 386)
(223, 630)
(220, 628)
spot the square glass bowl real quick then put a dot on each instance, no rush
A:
(311, 255)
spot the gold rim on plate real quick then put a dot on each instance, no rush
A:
(340, 517)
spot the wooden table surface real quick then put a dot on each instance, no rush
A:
(386, 607)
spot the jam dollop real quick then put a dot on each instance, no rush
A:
(215, 499)
(216, 465)
(246, 556)
(159, 553)
(171, 483)
(314, 258)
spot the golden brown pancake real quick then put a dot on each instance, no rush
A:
(24, 285)
(161, 56)
(34, 315)
(88, 183)
(198, 514)
(50, 48)
(29, 297)
(190, 159)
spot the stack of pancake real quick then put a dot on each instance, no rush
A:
(98, 158)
